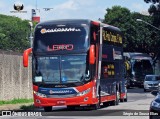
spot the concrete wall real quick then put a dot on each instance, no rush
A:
(15, 80)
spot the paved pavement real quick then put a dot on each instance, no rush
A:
(137, 101)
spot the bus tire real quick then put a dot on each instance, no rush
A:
(106, 104)
(117, 97)
(126, 98)
(48, 109)
(128, 87)
(97, 106)
(122, 100)
(116, 101)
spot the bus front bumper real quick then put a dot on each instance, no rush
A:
(77, 100)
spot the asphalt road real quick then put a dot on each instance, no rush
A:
(136, 108)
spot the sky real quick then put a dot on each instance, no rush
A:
(70, 9)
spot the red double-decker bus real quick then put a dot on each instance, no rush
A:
(77, 63)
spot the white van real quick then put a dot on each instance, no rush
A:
(151, 82)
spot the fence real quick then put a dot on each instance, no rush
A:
(15, 80)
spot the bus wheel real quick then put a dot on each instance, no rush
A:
(122, 100)
(97, 106)
(125, 99)
(48, 109)
(128, 87)
(117, 97)
(116, 101)
(106, 104)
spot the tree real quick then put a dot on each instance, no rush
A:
(154, 11)
(153, 1)
(13, 33)
(137, 35)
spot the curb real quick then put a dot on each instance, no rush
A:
(14, 106)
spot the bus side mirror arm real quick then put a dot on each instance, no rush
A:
(92, 54)
(26, 56)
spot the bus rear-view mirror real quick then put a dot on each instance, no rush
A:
(92, 54)
(94, 36)
(26, 57)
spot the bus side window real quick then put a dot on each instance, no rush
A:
(94, 34)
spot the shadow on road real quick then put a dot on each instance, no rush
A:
(31, 108)
(137, 90)
(134, 94)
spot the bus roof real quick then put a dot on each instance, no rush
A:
(77, 21)
(65, 21)
(137, 55)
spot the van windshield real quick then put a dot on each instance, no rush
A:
(142, 67)
(152, 78)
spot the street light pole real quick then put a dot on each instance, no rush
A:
(140, 20)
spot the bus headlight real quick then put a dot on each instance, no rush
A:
(84, 92)
(40, 94)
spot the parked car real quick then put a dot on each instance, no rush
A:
(155, 106)
(151, 82)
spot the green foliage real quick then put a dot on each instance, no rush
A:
(138, 37)
(16, 101)
(29, 107)
(154, 11)
(152, 1)
(13, 33)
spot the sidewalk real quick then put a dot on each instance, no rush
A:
(14, 106)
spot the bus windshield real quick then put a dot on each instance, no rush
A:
(60, 69)
(61, 38)
(142, 67)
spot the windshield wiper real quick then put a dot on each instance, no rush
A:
(51, 81)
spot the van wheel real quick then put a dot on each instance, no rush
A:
(48, 109)
(117, 97)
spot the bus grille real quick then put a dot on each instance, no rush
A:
(61, 96)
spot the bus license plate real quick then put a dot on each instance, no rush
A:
(61, 102)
